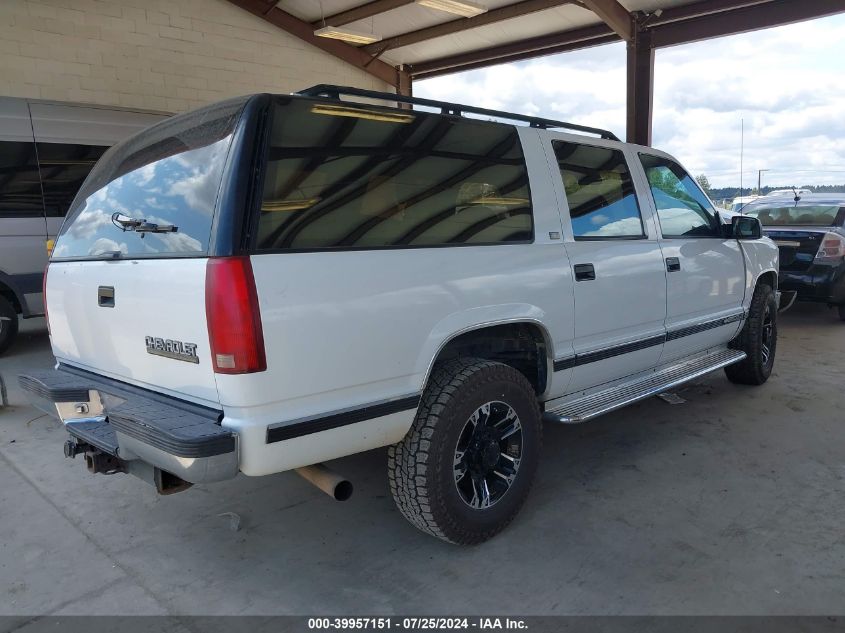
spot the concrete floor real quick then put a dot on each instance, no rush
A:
(731, 503)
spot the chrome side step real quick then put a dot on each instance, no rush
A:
(595, 404)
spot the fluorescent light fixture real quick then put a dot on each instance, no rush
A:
(347, 35)
(288, 205)
(500, 202)
(362, 113)
(458, 7)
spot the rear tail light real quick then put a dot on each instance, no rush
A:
(234, 319)
(832, 248)
(44, 296)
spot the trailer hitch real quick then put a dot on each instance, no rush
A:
(96, 460)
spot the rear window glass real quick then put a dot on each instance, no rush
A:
(809, 215)
(166, 176)
(350, 176)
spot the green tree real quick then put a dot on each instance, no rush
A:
(702, 181)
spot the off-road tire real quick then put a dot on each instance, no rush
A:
(420, 467)
(754, 370)
(841, 310)
(8, 324)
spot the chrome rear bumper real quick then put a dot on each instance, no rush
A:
(119, 427)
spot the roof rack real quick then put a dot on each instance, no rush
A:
(456, 109)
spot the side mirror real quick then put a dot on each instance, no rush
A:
(744, 227)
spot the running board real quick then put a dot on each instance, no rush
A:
(598, 403)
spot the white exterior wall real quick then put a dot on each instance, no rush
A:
(169, 55)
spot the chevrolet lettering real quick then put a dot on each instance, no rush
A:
(176, 350)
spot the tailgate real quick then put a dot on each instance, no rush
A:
(140, 321)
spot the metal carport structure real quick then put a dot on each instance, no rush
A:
(416, 42)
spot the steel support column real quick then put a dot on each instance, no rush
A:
(404, 85)
(640, 89)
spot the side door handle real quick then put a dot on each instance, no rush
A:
(105, 296)
(673, 264)
(584, 272)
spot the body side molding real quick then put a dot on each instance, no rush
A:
(298, 428)
(633, 346)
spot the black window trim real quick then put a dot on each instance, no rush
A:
(595, 238)
(254, 212)
(401, 247)
(714, 226)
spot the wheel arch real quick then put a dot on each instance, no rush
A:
(10, 293)
(769, 277)
(523, 343)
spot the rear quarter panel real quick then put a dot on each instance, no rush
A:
(345, 329)
(348, 329)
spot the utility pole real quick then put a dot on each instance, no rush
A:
(759, 179)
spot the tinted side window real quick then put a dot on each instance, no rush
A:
(600, 192)
(343, 176)
(683, 210)
(20, 186)
(64, 168)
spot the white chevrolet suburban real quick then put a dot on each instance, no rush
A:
(275, 281)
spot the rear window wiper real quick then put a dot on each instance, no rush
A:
(141, 226)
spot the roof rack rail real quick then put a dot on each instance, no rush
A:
(335, 92)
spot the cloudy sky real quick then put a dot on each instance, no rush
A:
(787, 84)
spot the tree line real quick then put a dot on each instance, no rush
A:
(718, 193)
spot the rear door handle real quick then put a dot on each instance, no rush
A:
(584, 272)
(105, 296)
(673, 264)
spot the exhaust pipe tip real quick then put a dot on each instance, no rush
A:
(343, 490)
(334, 485)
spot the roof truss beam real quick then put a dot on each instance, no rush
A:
(508, 12)
(614, 15)
(680, 25)
(743, 20)
(699, 9)
(534, 47)
(609, 38)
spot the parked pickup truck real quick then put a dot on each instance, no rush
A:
(275, 281)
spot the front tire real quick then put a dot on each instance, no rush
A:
(841, 309)
(466, 465)
(8, 324)
(758, 339)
